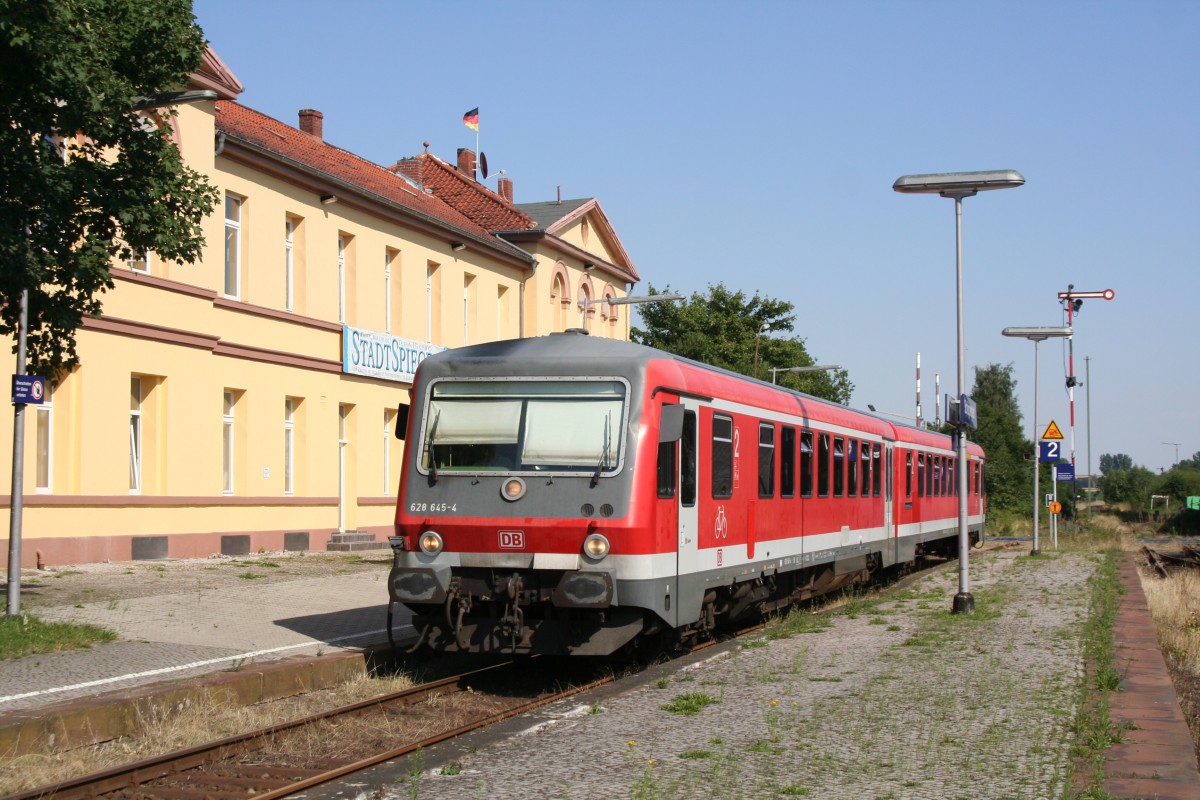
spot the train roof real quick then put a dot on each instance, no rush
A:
(575, 352)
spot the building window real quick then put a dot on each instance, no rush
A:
(468, 306)
(559, 301)
(390, 259)
(233, 246)
(501, 313)
(289, 265)
(229, 404)
(45, 444)
(139, 262)
(135, 435)
(433, 301)
(341, 273)
(289, 446)
(388, 417)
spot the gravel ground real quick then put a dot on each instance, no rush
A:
(897, 700)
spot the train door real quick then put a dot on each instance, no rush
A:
(889, 492)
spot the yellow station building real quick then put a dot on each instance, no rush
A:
(248, 402)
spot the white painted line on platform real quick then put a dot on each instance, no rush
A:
(194, 665)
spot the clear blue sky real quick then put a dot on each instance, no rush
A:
(756, 144)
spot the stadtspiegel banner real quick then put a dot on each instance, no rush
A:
(382, 355)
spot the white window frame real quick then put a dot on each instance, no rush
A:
(44, 416)
(144, 260)
(289, 446)
(289, 266)
(341, 269)
(135, 435)
(467, 310)
(388, 256)
(387, 452)
(228, 431)
(233, 227)
(429, 303)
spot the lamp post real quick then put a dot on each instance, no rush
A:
(957, 185)
(17, 506)
(820, 368)
(1037, 336)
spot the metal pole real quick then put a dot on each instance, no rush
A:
(964, 603)
(16, 507)
(1036, 452)
(1087, 374)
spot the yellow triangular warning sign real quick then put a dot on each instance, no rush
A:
(1052, 431)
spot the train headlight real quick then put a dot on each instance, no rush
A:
(512, 489)
(431, 542)
(595, 546)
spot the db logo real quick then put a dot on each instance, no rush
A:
(512, 540)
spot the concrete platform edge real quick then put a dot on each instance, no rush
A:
(91, 720)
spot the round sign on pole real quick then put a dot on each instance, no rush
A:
(1055, 507)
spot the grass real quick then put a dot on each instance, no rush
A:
(26, 635)
(689, 704)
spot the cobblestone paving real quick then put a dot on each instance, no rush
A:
(894, 700)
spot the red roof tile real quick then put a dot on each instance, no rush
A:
(267, 134)
(466, 195)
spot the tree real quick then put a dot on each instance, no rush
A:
(721, 328)
(84, 178)
(1115, 463)
(1009, 472)
(1130, 485)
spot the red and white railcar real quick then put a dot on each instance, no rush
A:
(566, 494)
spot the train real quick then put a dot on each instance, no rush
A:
(576, 495)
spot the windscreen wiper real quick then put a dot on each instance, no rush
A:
(429, 451)
(604, 453)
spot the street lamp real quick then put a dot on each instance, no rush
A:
(957, 185)
(819, 368)
(1037, 335)
(17, 503)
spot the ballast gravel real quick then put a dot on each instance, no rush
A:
(896, 699)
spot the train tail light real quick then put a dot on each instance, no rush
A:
(431, 542)
(595, 546)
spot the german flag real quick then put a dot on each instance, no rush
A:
(471, 119)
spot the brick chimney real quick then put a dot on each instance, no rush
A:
(504, 188)
(466, 162)
(312, 122)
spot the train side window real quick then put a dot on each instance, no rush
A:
(687, 455)
(908, 466)
(852, 468)
(978, 480)
(839, 465)
(823, 465)
(722, 457)
(666, 469)
(865, 458)
(954, 477)
(920, 474)
(876, 478)
(787, 462)
(806, 463)
(939, 468)
(766, 459)
(982, 480)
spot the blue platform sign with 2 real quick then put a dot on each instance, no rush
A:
(1050, 452)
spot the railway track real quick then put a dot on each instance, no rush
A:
(1163, 561)
(258, 763)
(265, 763)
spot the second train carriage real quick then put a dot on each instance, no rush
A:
(566, 494)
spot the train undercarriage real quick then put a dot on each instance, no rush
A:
(486, 610)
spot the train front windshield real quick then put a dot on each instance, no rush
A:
(524, 426)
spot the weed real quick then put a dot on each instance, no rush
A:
(662, 683)
(112, 604)
(249, 576)
(452, 768)
(26, 635)
(689, 704)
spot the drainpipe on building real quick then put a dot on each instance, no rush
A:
(521, 302)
